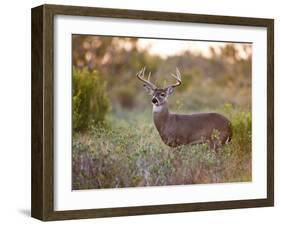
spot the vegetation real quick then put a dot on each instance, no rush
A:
(90, 101)
(130, 152)
(115, 143)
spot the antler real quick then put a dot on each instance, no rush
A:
(140, 76)
(177, 77)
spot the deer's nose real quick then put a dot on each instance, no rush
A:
(154, 100)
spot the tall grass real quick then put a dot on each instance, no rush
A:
(128, 152)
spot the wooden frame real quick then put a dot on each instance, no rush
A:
(42, 204)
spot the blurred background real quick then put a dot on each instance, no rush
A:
(213, 73)
(110, 107)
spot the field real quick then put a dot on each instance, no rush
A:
(115, 143)
(128, 152)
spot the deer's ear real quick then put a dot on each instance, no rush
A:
(169, 90)
(148, 89)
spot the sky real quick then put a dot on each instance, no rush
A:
(165, 48)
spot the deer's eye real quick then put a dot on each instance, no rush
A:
(162, 94)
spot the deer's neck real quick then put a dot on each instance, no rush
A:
(160, 116)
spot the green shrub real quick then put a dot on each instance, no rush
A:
(241, 123)
(129, 152)
(90, 101)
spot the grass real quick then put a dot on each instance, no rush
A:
(128, 152)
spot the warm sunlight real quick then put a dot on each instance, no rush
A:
(165, 48)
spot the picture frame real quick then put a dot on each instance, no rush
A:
(43, 107)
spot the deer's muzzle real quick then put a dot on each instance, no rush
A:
(154, 100)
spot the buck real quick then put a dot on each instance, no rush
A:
(175, 129)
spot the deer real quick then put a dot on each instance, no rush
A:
(184, 129)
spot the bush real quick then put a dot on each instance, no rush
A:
(90, 101)
(130, 153)
(241, 122)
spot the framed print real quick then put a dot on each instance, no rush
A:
(141, 112)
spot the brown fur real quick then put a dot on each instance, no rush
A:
(176, 130)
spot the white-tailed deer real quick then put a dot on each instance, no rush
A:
(176, 129)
